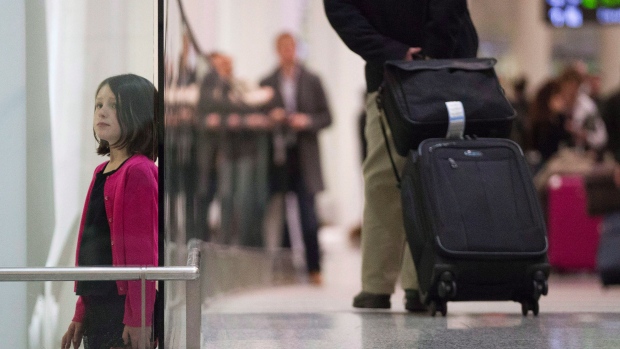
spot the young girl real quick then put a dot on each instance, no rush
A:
(119, 221)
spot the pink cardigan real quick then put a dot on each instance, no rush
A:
(131, 199)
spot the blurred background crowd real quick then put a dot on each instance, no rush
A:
(243, 156)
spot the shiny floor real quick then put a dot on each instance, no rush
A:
(578, 313)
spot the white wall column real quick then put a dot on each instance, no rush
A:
(532, 44)
(85, 46)
(610, 58)
(13, 322)
(40, 188)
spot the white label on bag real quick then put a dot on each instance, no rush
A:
(456, 124)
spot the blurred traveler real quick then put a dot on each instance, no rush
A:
(586, 124)
(549, 122)
(300, 111)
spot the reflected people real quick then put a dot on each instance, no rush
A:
(183, 153)
(119, 225)
(234, 135)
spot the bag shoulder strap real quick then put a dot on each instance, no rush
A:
(456, 126)
(385, 138)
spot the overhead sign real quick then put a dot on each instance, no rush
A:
(576, 13)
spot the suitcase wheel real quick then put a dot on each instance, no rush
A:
(446, 288)
(528, 305)
(439, 306)
(541, 285)
(540, 288)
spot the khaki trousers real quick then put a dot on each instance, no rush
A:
(385, 253)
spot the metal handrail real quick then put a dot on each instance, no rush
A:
(98, 273)
(189, 273)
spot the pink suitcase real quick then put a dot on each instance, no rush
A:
(573, 234)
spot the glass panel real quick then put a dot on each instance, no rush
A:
(216, 182)
(220, 151)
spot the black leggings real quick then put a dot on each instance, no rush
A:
(103, 321)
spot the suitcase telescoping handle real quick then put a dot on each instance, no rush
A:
(456, 127)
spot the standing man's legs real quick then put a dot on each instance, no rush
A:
(248, 214)
(309, 229)
(383, 233)
(206, 186)
(226, 179)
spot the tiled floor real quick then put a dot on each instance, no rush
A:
(578, 313)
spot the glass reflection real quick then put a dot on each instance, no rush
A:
(243, 162)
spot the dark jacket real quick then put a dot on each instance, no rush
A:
(311, 100)
(610, 112)
(384, 30)
(215, 98)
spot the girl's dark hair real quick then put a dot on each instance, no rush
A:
(540, 109)
(136, 110)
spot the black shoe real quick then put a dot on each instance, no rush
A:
(372, 300)
(412, 301)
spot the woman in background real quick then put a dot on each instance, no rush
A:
(548, 122)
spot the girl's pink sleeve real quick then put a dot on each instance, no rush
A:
(80, 309)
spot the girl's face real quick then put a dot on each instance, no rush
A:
(105, 122)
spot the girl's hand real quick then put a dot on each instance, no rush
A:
(132, 337)
(74, 335)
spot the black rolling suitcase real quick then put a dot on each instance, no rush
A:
(471, 214)
(474, 223)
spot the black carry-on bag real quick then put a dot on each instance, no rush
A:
(471, 214)
(414, 93)
(474, 223)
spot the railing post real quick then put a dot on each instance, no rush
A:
(143, 307)
(193, 314)
(193, 300)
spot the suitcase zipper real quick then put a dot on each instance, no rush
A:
(453, 163)
(438, 145)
